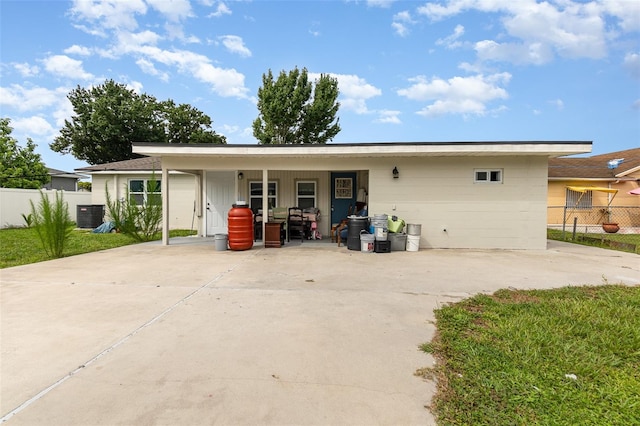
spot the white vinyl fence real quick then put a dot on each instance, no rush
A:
(15, 202)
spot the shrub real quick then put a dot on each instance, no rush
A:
(52, 223)
(141, 222)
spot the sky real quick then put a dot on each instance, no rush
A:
(407, 71)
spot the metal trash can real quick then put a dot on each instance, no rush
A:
(221, 242)
(354, 226)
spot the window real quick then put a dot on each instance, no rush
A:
(141, 190)
(306, 193)
(343, 188)
(488, 176)
(255, 194)
(579, 200)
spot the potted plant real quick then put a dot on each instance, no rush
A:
(607, 225)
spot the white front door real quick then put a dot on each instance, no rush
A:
(220, 199)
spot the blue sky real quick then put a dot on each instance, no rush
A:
(446, 70)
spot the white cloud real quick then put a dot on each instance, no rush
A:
(64, 66)
(457, 95)
(541, 30)
(451, 41)
(174, 10)
(221, 9)
(354, 92)
(148, 68)
(33, 126)
(26, 70)
(234, 44)
(401, 22)
(227, 129)
(558, 104)
(632, 64)
(535, 53)
(77, 50)
(626, 11)
(388, 117)
(23, 98)
(109, 14)
(400, 29)
(63, 111)
(380, 3)
(118, 19)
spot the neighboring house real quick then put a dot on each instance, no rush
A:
(63, 180)
(615, 170)
(464, 194)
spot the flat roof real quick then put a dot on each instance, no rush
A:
(377, 149)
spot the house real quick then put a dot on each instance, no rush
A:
(133, 176)
(464, 194)
(617, 171)
(62, 180)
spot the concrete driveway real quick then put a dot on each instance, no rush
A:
(310, 334)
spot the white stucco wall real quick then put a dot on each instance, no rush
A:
(181, 186)
(440, 194)
(437, 192)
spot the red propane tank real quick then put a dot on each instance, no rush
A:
(240, 221)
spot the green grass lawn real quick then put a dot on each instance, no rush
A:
(622, 242)
(569, 356)
(20, 246)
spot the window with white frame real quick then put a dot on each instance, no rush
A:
(141, 190)
(488, 175)
(255, 194)
(306, 193)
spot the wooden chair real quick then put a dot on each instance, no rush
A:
(281, 214)
(295, 223)
(336, 228)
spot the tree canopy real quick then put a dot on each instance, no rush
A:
(19, 167)
(109, 117)
(293, 111)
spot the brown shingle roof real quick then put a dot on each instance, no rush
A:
(594, 167)
(137, 164)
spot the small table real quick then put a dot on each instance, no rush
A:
(274, 234)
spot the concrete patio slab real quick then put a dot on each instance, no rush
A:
(305, 334)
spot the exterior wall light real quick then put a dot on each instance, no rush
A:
(396, 173)
(240, 176)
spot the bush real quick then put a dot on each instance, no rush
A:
(141, 222)
(52, 223)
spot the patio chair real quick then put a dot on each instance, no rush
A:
(296, 224)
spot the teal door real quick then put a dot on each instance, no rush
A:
(344, 191)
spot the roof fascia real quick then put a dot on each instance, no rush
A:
(131, 172)
(368, 149)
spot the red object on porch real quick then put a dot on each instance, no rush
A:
(240, 221)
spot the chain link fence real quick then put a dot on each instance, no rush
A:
(611, 225)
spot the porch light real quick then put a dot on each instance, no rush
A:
(240, 176)
(396, 173)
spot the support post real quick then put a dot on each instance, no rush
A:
(265, 202)
(165, 206)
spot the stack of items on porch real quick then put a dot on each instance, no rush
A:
(311, 216)
(381, 234)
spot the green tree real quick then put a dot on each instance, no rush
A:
(108, 118)
(186, 124)
(289, 114)
(19, 167)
